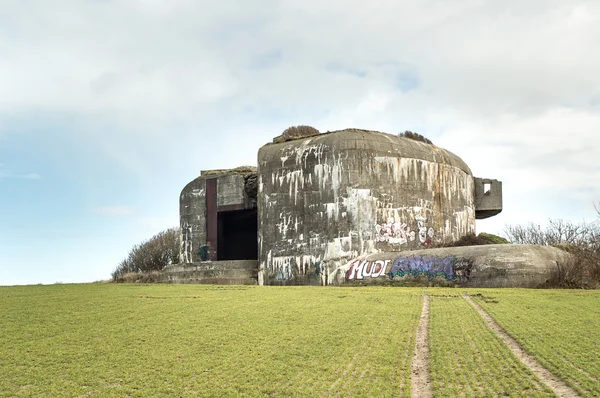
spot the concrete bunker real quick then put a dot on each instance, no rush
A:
(317, 202)
(218, 216)
(488, 197)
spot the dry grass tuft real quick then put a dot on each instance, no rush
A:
(139, 277)
(296, 132)
(415, 136)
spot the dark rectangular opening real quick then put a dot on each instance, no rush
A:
(237, 235)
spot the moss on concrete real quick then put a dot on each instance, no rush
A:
(493, 239)
(243, 170)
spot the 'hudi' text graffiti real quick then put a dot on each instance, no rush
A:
(449, 268)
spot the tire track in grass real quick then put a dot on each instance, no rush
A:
(557, 385)
(346, 388)
(577, 368)
(349, 369)
(408, 376)
(420, 381)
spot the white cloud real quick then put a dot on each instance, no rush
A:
(509, 86)
(129, 56)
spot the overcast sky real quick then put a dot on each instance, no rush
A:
(108, 108)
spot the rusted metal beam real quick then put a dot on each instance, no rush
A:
(212, 218)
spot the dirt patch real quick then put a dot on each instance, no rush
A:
(420, 380)
(557, 385)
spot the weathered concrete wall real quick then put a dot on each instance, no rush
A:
(198, 213)
(192, 219)
(327, 199)
(488, 197)
(230, 190)
(469, 266)
(238, 272)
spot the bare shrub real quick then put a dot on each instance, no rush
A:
(300, 131)
(581, 269)
(415, 136)
(557, 232)
(296, 132)
(152, 255)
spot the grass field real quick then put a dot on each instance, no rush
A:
(561, 329)
(193, 340)
(468, 358)
(190, 340)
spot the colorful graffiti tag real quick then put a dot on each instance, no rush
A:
(400, 233)
(318, 270)
(394, 232)
(363, 268)
(204, 252)
(284, 272)
(431, 267)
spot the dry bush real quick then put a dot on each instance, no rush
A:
(139, 277)
(415, 136)
(582, 241)
(296, 132)
(579, 270)
(128, 277)
(300, 131)
(152, 255)
(557, 232)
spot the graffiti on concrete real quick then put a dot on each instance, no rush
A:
(283, 271)
(318, 269)
(428, 266)
(204, 252)
(462, 270)
(425, 234)
(320, 274)
(394, 232)
(400, 233)
(363, 268)
(449, 268)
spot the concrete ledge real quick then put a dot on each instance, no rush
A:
(213, 281)
(241, 272)
(212, 265)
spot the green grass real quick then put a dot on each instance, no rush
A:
(140, 340)
(560, 328)
(191, 340)
(468, 359)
